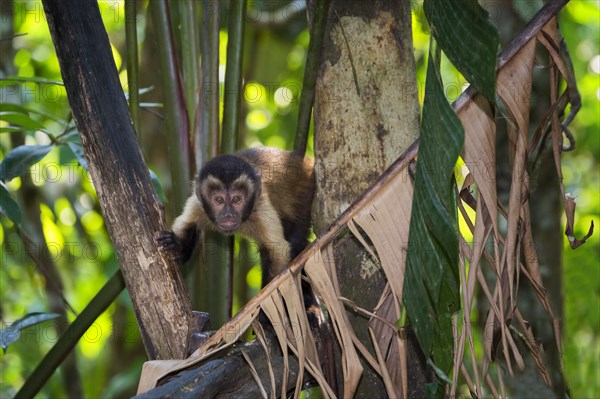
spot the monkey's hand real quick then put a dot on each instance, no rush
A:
(169, 243)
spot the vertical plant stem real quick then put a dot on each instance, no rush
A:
(231, 108)
(178, 141)
(190, 54)
(307, 97)
(233, 76)
(212, 289)
(230, 275)
(132, 62)
(207, 145)
(69, 338)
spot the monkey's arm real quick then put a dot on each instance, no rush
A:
(181, 241)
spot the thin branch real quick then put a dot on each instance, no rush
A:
(132, 62)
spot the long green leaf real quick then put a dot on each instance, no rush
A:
(20, 159)
(10, 334)
(77, 150)
(8, 206)
(21, 119)
(10, 129)
(158, 187)
(38, 80)
(431, 288)
(465, 34)
(10, 107)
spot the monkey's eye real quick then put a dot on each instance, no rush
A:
(219, 200)
(236, 199)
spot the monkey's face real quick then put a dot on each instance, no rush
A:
(227, 205)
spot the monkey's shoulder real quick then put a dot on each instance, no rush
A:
(287, 179)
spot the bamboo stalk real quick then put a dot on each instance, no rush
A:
(174, 104)
(190, 55)
(212, 288)
(307, 97)
(233, 76)
(71, 336)
(207, 145)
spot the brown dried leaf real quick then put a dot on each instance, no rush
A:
(387, 226)
(514, 88)
(550, 39)
(351, 367)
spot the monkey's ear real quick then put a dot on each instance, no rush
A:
(258, 173)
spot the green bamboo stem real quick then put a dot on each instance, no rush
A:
(190, 55)
(231, 108)
(178, 142)
(71, 336)
(233, 76)
(212, 283)
(307, 97)
(207, 145)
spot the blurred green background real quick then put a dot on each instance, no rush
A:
(110, 354)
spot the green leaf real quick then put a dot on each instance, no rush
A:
(431, 288)
(10, 334)
(10, 107)
(158, 187)
(526, 9)
(465, 34)
(141, 91)
(434, 390)
(20, 159)
(8, 206)
(77, 150)
(16, 108)
(32, 79)
(151, 105)
(10, 129)
(20, 119)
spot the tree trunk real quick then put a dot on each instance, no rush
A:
(366, 115)
(131, 210)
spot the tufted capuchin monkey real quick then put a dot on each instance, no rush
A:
(262, 193)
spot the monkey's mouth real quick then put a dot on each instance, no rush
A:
(228, 226)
